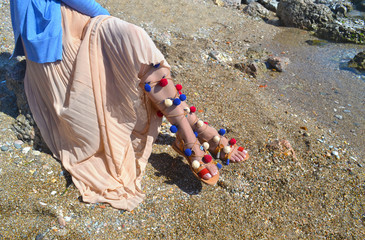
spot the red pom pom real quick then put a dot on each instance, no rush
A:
(159, 113)
(206, 123)
(207, 158)
(240, 149)
(178, 87)
(203, 172)
(192, 109)
(180, 92)
(232, 141)
(163, 82)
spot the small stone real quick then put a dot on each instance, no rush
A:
(335, 153)
(339, 117)
(4, 148)
(346, 111)
(306, 134)
(39, 236)
(53, 193)
(25, 150)
(67, 219)
(61, 222)
(17, 146)
(36, 152)
(20, 142)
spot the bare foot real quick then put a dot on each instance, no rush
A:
(226, 149)
(201, 163)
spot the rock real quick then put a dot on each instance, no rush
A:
(4, 148)
(282, 146)
(36, 152)
(358, 61)
(343, 30)
(61, 222)
(39, 236)
(250, 67)
(335, 153)
(303, 14)
(338, 7)
(248, 1)
(271, 5)
(278, 63)
(255, 9)
(13, 71)
(222, 3)
(25, 150)
(17, 146)
(339, 117)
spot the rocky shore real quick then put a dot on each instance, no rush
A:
(303, 180)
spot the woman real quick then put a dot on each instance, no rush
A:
(97, 88)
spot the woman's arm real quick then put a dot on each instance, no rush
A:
(87, 7)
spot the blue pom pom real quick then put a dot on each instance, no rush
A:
(196, 134)
(173, 129)
(182, 97)
(177, 101)
(188, 152)
(147, 87)
(227, 161)
(219, 166)
(222, 131)
(157, 65)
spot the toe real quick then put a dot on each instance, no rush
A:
(212, 168)
(207, 176)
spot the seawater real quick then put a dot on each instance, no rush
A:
(318, 82)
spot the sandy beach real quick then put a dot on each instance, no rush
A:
(305, 176)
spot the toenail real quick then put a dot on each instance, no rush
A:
(207, 176)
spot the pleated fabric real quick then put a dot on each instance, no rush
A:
(91, 109)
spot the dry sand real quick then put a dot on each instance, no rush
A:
(274, 195)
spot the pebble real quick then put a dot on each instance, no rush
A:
(339, 117)
(17, 146)
(25, 150)
(61, 222)
(4, 148)
(20, 142)
(335, 153)
(53, 193)
(36, 152)
(39, 236)
(346, 111)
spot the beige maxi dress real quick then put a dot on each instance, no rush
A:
(91, 110)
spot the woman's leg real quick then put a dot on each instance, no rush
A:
(175, 114)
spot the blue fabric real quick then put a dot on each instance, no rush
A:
(38, 23)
